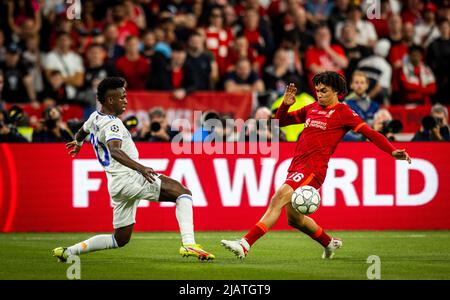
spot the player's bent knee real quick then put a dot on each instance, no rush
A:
(121, 242)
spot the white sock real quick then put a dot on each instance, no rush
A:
(185, 218)
(95, 243)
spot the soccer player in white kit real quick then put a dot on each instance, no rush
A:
(128, 180)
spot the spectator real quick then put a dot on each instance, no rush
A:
(399, 50)
(134, 67)
(209, 129)
(440, 113)
(384, 124)
(149, 42)
(51, 129)
(324, 56)
(360, 103)
(257, 32)
(55, 89)
(379, 72)
(365, 31)
(96, 71)
(293, 45)
(67, 62)
(8, 130)
(318, 11)
(277, 76)
(206, 72)
(241, 49)
(292, 25)
(218, 38)
(431, 131)
(18, 82)
(173, 74)
(259, 128)
(159, 129)
(395, 26)
(2, 46)
(24, 18)
(125, 26)
(354, 52)
(338, 13)
(417, 82)
(411, 11)
(113, 49)
(135, 12)
(426, 30)
(34, 58)
(243, 79)
(438, 58)
(250, 4)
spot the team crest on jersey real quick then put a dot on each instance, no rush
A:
(115, 128)
(330, 113)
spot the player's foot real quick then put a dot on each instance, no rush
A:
(239, 247)
(60, 253)
(196, 250)
(329, 250)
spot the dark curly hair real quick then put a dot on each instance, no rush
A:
(332, 79)
(109, 83)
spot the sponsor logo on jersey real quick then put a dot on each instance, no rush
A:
(316, 124)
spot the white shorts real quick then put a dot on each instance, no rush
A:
(126, 189)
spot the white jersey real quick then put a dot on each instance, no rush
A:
(104, 128)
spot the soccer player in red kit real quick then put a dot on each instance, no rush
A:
(326, 122)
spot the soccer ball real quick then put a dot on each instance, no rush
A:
(305, 200)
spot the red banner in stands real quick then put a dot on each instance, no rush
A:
(235, 105)
(43, 189)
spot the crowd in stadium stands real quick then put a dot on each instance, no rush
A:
(391, 52)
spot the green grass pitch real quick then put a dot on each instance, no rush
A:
(279, 255)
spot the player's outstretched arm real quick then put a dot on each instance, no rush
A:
(75, 146)
(119, 155)
(383, 143)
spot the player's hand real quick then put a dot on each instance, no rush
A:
(289, 94)
(402, 155)
(149, 174)
(73, 147)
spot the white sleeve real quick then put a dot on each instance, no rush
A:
(385, 78)
(88, 124)
(50, 62)
(113, 130)
(372, 33)
(78, 64)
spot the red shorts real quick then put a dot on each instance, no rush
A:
(296, 179)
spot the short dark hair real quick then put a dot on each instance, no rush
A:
(414, 48)
(332, 79)
(109, 83)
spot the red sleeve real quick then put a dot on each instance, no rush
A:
(378, 139)
(289, 118)
(350, 119)
(338, 49)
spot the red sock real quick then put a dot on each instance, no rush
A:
(255, 233)
(321, 236)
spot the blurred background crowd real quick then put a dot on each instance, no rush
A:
(392, 53)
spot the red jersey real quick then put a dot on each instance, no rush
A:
(324, 129)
